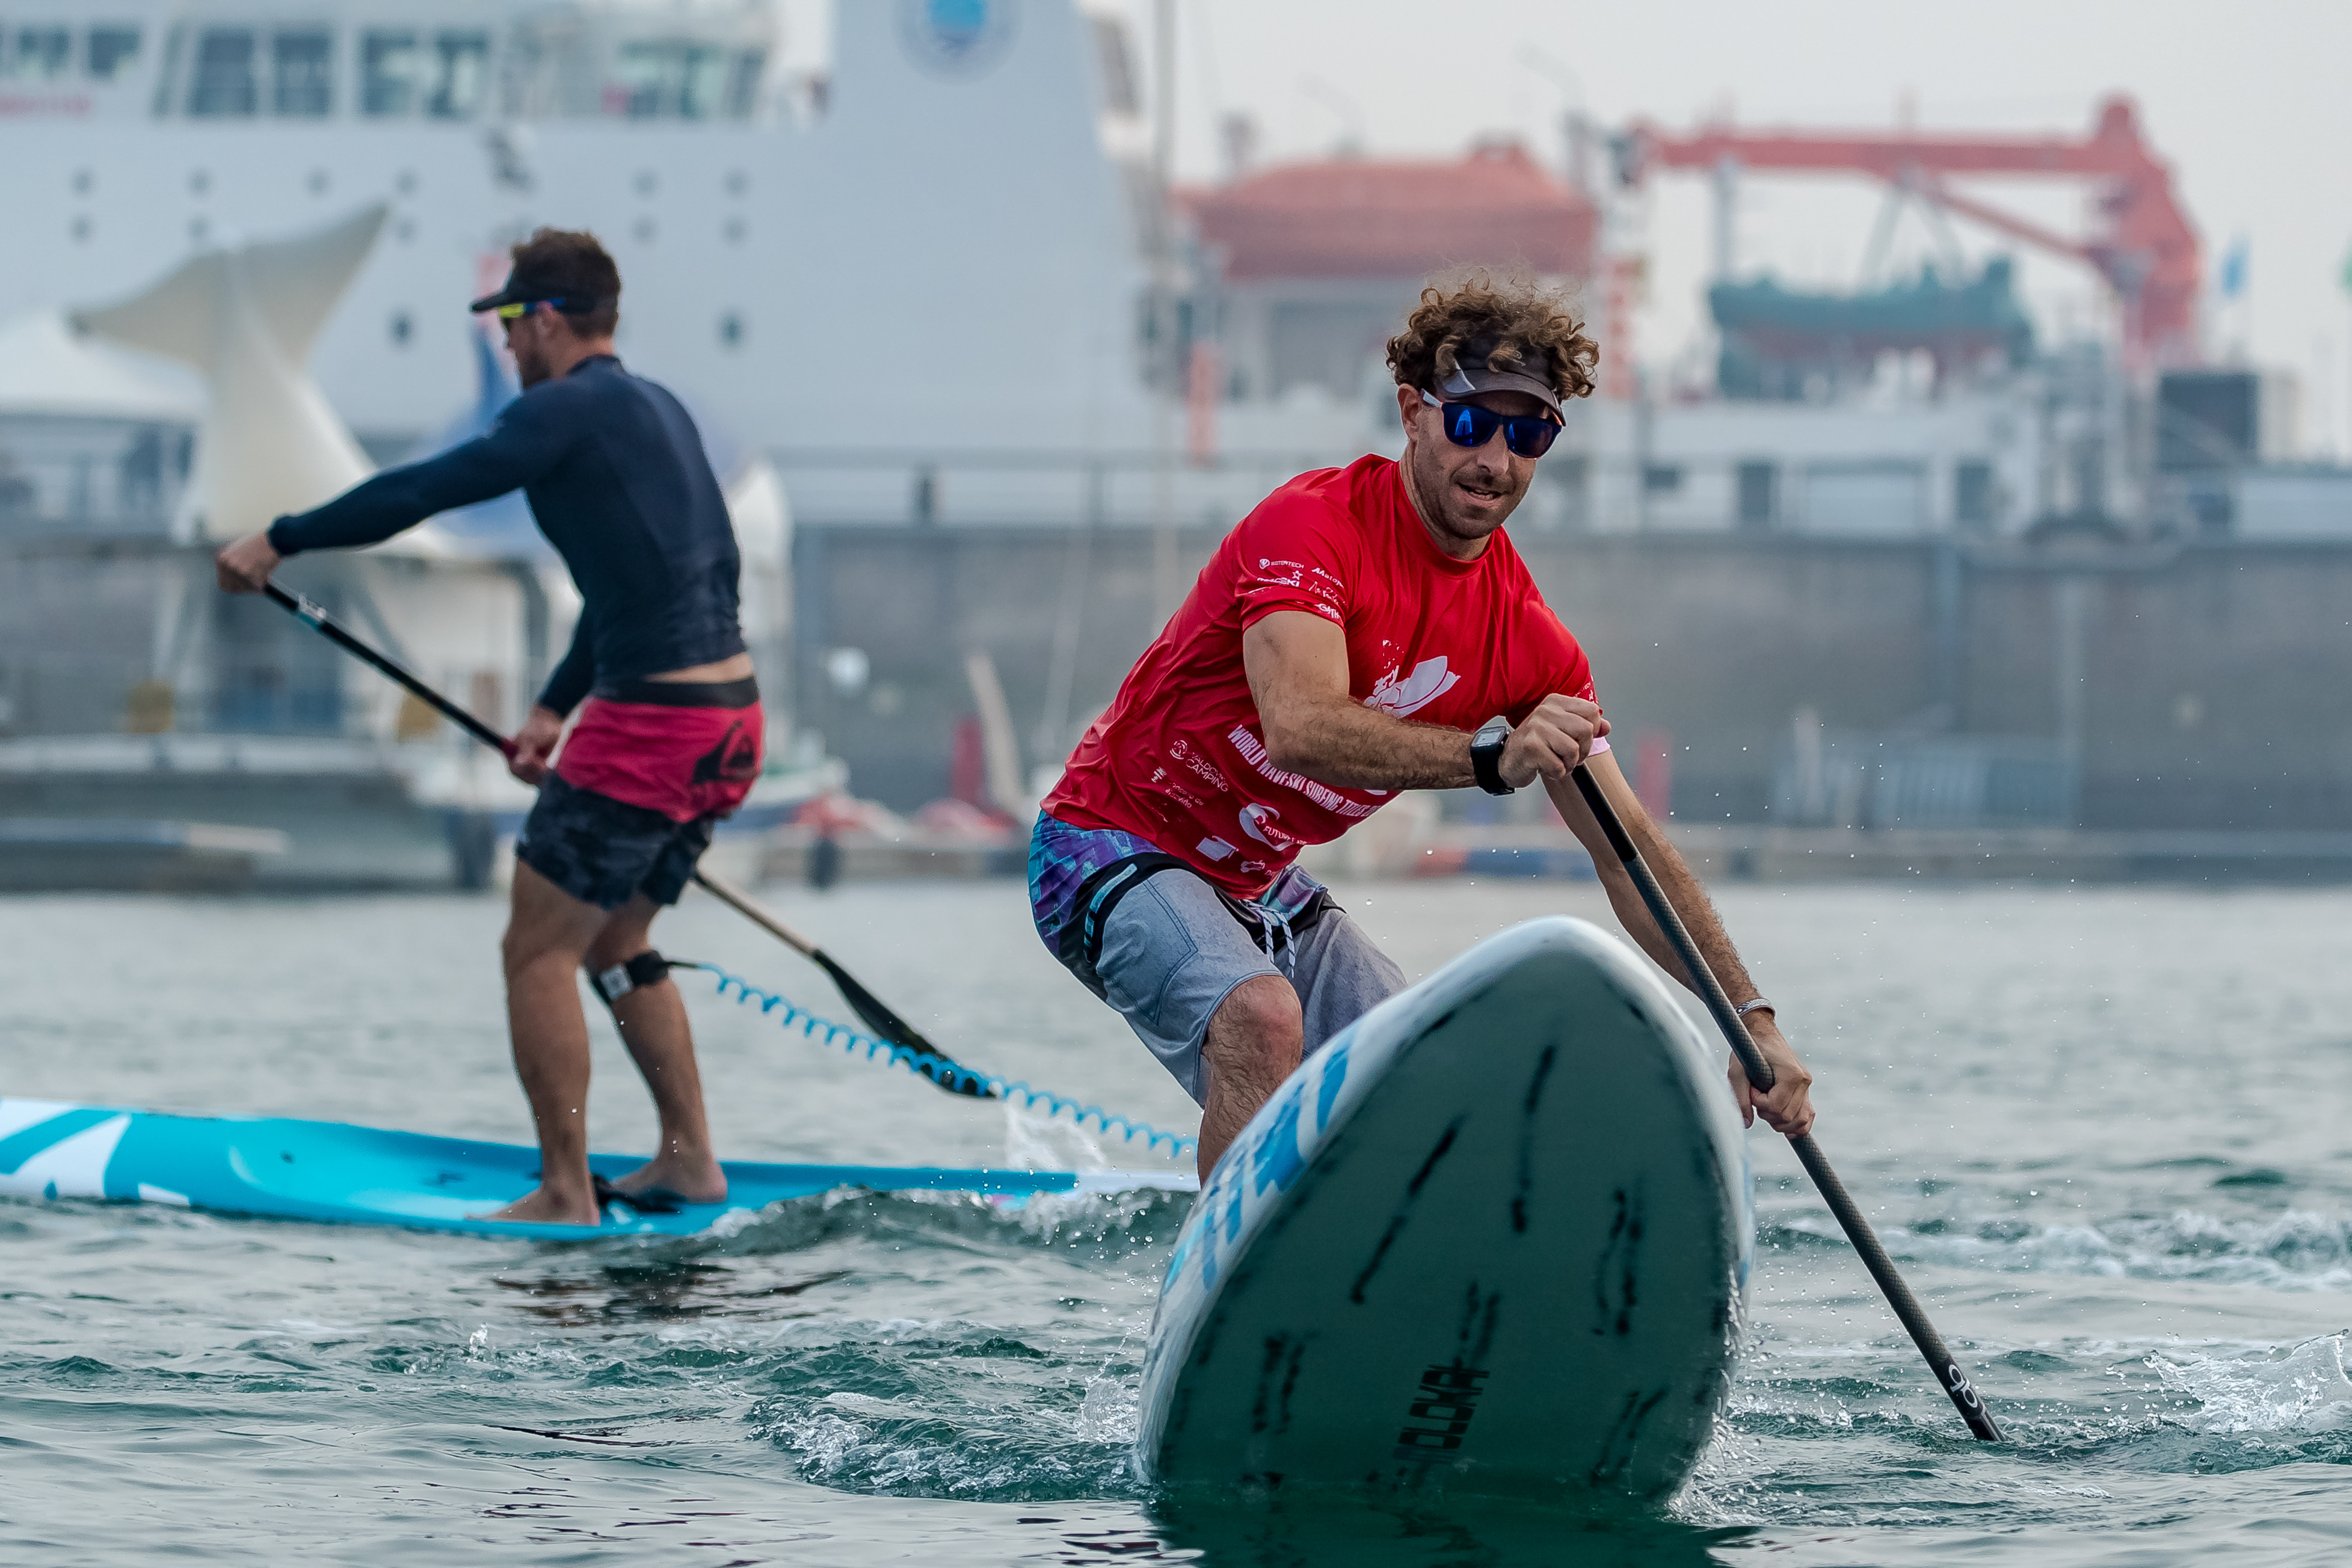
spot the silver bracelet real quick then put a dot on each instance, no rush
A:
(1758, 1004)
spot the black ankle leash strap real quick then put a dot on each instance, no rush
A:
(647, 969)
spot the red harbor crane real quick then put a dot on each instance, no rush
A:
(2146, 249)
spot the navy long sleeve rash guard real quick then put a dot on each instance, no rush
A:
(616, 476)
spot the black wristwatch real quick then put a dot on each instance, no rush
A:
(1486, 756)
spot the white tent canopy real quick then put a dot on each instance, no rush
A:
(47, 371)
(246, 318)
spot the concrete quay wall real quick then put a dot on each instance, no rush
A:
(2202, 685)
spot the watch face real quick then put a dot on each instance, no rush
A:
(1492, 732)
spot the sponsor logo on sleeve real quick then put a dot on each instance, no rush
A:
(1276, 573)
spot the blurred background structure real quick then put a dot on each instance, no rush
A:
(2008, 547)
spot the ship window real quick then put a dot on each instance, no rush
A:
(460, 71)
(706, 83)
(41, 54)
(1760, 487)
(304, 73)
(744, 73)
(222, 85)
(111, 48)
(668, 79)
(390, 64)
(1974, 499)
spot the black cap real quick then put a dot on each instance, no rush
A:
(1531, 375)
(567, 288)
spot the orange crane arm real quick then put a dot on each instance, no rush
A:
(2149, 252)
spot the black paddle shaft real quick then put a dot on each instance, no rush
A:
(937, 1068)
(1817, 1166)
(315, 617)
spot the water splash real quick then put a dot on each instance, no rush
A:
(1035, 1143)
(2304, 1390)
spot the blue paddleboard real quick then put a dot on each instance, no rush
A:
(1493, 1238)
(339, 1174)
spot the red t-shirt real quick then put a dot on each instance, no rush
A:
(1181, 759)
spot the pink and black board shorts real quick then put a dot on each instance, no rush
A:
(643, 779)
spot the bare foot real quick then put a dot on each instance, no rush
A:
(541, 1207)
(695, 1180)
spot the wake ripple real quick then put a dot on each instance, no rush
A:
(919, 1416)
(2300, 1249)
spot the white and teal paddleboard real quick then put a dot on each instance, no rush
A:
(1493, 1238)
(332, 1172)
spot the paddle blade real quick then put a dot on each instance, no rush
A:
(949, 1075)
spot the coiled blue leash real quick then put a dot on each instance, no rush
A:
(825, 1031)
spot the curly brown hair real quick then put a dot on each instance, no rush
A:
(1514, 315)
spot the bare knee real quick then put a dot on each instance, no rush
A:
(543, 922)
(521, 951)
(1256, 1030)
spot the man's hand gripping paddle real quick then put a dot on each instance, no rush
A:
(887, 1025)
(1759, 1073)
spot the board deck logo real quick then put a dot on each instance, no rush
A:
(1440, 1414)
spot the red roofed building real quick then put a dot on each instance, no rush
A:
(1360, 218)
(1319, 262)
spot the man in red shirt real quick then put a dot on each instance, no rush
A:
(1366, 629)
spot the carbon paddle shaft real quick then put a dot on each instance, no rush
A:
(943, 1070)
(319, 621)
(1817, 1166)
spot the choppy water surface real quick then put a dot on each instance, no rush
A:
(2104, 1131)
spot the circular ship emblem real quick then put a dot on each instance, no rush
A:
(956, 38)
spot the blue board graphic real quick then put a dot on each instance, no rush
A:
(339, 1174)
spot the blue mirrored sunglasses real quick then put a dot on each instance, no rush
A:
(1467, 424)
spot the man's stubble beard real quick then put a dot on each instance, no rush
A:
(1436, 490)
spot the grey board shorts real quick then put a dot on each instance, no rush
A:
(1148, 936)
